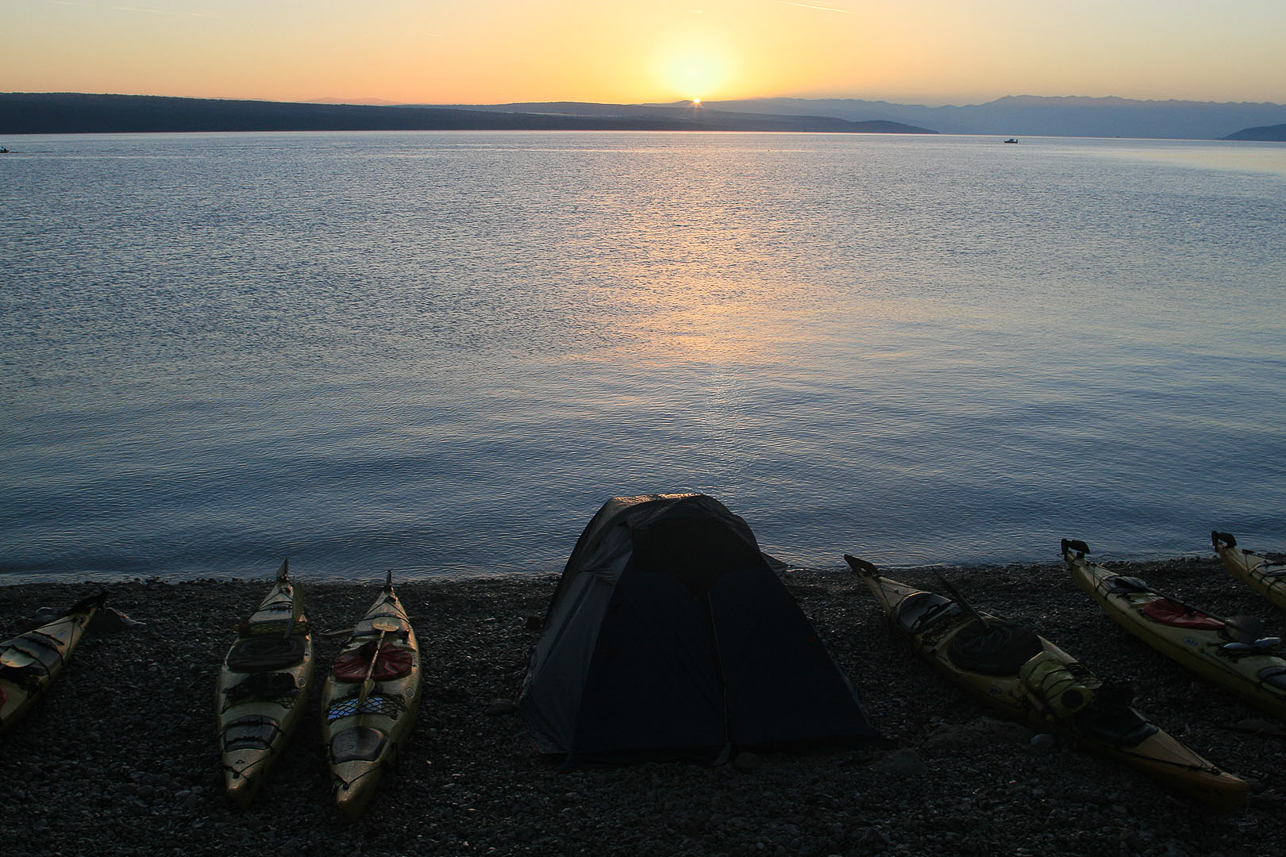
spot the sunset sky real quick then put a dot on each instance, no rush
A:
(628, 51)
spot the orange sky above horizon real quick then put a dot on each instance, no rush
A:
(624, 51)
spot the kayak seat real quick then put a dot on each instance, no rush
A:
(265, 686)
(393, 662)
(272, 627)
(1173, 613)
(262, 654)
(994, 648)
(920, 611)
(1109, 719)
(255, 732)
(361, 744)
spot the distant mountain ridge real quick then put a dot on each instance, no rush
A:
(1041, 116)
(73, 113)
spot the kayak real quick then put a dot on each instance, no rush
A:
(262, 687)
(1266, 578)
(1232, 653)
(370, 700)
(30, 662)
(1025, 677)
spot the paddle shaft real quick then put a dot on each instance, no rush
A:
(383, 626)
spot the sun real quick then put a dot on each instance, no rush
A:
(693, 72)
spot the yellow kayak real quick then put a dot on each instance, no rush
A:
(30, 662)
(262, 687)
(1266, 578)
(370, 700)
(1232, 653)
(1026, 678)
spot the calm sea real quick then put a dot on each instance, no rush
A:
(440, 353)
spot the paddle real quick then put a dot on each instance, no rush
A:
(960, 599)
(384, 625)
(15, 659)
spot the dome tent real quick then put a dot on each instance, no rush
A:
(669, 636)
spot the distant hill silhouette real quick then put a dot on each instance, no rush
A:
(1015, 116)
(688, 112)
(1037, 116)
(75, 113)
(1263, 134)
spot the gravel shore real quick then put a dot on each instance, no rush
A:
(121, 759)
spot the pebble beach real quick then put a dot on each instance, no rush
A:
(120, 757)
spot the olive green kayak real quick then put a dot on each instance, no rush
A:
(370, 700)
(1232, 653)
(262, 687)
(1266, 578)
(1025, 677)
(30, 662)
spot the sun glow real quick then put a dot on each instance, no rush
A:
(695, 72)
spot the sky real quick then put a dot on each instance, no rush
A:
(631, 51)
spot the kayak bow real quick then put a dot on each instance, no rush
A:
(1266, 578)
(30, 662)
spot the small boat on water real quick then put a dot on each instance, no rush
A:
(1266, 578)
(262, 687)
(1231, 652)
(30, 662)
(1025, 677)
(1012, 140)
(370, 700)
